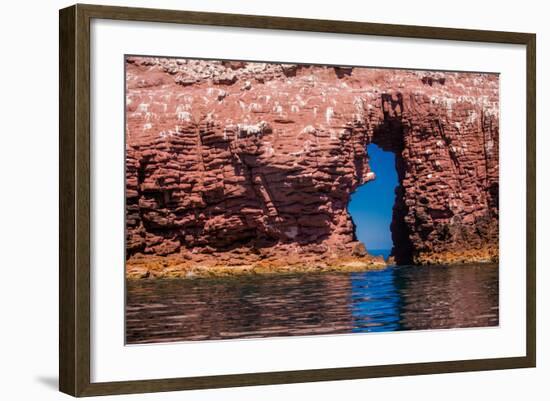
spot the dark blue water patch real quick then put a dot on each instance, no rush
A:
(375, 301)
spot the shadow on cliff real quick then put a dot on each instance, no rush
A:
(257, 206)
(389, 136)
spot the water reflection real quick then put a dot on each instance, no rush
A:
(396, 298)
(375, 301)
(443, 297)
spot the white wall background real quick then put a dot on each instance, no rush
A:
(29, 185)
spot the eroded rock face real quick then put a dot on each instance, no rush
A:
(241, 162)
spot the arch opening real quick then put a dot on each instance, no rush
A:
(372, 204)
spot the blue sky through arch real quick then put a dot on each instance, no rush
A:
(371, 204)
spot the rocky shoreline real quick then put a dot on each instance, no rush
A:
(219, 266)
(172, 268)
(276, 260)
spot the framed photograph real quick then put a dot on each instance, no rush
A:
(250, 200)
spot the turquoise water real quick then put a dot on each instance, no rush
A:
(380, 252)
(392, 299)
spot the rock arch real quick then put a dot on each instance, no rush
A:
(259, 160)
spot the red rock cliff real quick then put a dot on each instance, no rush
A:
(258, 160)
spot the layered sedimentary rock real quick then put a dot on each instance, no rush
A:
(238, 162)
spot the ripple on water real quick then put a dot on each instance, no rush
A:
(396, 298)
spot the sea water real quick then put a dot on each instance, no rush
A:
(251, 306)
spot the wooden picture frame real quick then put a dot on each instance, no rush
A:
(74, 204)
